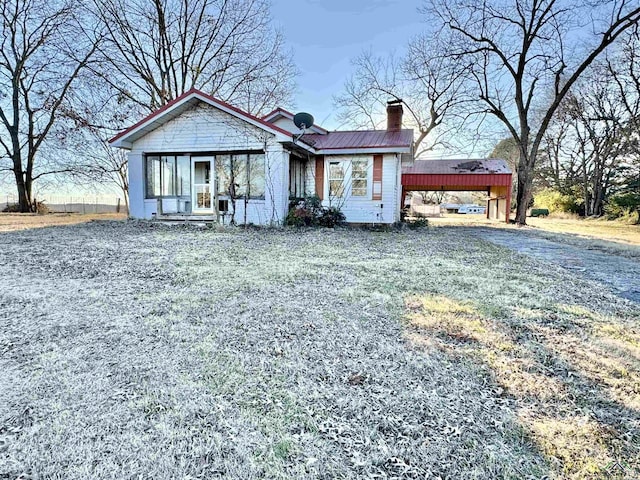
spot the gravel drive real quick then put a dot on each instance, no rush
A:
(619, 273)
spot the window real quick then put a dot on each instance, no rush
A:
(359, 175)
(239, 164)
(223, 174)
(336, 179)
(153, 177)
(256, 175)
(349, 177)
(183, 177)
(247, 171)
(170, 175)
(167, 176)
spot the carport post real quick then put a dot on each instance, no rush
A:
(508, 206)
(488, 202)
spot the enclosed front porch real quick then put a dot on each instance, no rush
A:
(224, 188)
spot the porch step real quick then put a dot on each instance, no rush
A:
(186, 218)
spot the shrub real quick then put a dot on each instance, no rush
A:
(15, 208)
(330, 217)
(308, 211)
(623, 205)
(555, 201)
(416, 223)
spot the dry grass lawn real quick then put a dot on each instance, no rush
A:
(132, 350)
(10, 222)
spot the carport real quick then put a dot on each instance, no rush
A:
(489, 175)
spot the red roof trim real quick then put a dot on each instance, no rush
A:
(277, 110)
(210, 98)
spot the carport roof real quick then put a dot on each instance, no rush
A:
(460, 166)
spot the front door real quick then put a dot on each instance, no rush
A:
(203, 191)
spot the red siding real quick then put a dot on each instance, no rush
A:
(320, 176)
(442, 181)
(377, 175)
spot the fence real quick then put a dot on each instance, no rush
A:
(74, 204)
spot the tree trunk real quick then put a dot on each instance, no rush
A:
(523, 192)
(24, 200)
(24, 190)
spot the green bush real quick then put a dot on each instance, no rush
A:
(555, 201)
(623, 205)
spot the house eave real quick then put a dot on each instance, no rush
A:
(363, 150)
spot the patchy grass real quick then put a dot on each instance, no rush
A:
(137, 350)
(573, 371)
(10, 222)
(594, 229)
(616, 237)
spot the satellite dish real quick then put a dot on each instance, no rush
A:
(303, 120)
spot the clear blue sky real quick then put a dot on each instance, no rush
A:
(326, 34)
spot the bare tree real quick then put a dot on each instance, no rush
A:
(523, 57)
(98, 163)
(158, 49)
(44, 50)
(590, 147)
(428, 87)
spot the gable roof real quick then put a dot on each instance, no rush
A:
(397, 141)
(180, 104)
(340, 142)
(282, 113)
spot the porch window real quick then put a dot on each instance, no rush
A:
(183, 177)
(256, 175)
(167, 176)
(153, 182)
(336, 179)
(223, 174)
(247, 170)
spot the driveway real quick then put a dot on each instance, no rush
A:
(620, 274)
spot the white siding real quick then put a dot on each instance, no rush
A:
(286, 124)
(136, 186)
(364, 209)
(289, 126)
(207, 129)
(203, 128)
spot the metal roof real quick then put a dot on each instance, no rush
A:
(464, 166)
(359, 139)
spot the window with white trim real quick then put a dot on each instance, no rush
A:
(349, 177)
(359, 177)
(336, 179)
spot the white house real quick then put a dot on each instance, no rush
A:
(200, 156)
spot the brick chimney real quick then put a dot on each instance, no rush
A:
(394, 115)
